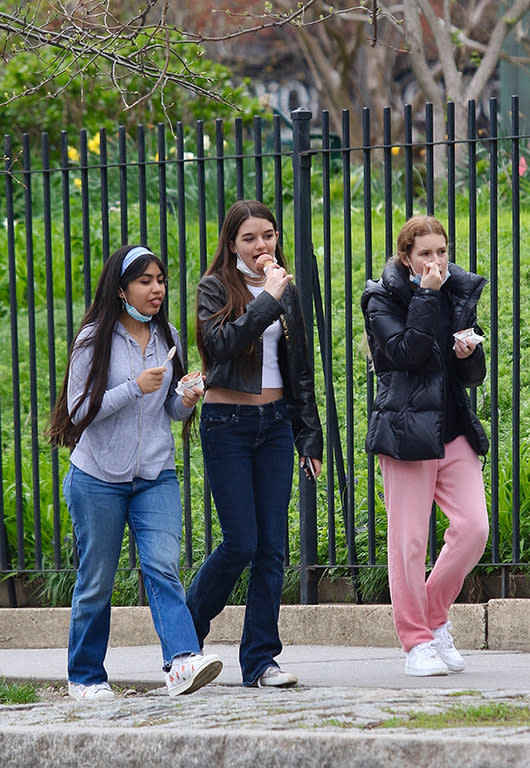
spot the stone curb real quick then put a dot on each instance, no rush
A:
(498, 625)
(84, 746)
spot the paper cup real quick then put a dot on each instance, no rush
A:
(188, 381)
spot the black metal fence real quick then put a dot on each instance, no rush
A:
(66, 205)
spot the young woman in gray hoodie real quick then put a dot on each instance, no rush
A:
(115, 408)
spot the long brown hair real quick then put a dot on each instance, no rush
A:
(103, 314)
(224, 264)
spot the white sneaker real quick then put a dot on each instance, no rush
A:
(443, 642)
(96, 692)
(274, 676)
(423, 661)
(190, 672)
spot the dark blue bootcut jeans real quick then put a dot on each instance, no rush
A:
(248, 453)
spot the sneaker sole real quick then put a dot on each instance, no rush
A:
(204, 676)
(426, 672)
(286, 684)
(455, 668)
(93, 699)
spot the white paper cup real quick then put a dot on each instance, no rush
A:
(188, 381)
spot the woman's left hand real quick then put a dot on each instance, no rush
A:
(190, 397)
(317, 465)
(464, 349)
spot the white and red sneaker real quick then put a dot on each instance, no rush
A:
(191, 671)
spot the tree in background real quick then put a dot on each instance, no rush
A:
(469, 39)
(149, 51)
(92, 64)
(361, 55)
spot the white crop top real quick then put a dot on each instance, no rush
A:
(270, 375)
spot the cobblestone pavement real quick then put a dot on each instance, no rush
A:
(337, 717)
(227, 706)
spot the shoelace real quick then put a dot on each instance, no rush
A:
(90, 690)
(184, 670)
(428, 651)
(445, 637)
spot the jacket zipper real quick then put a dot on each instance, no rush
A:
(140, 415)
(140, 421)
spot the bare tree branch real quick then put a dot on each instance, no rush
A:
(126, 42)
(489, 61)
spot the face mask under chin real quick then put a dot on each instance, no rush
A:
(133, 312)
(416, 278)
(240, 264)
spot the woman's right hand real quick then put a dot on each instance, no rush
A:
(432, 276)
(277, 279)
(151, 379)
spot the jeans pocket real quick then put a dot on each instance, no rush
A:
(67, 485)
(281, 412)
(215, 421)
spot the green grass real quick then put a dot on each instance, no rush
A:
(18, 693)
(457, 694)
(493, 714)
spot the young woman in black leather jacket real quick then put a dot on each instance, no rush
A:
(259, 401)
(426, 435)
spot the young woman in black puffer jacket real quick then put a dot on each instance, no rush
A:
(425, 433)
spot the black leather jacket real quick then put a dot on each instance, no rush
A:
(228, 366)
(407, 421)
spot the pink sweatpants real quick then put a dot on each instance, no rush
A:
(455, 483)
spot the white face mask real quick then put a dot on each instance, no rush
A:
(240, 264)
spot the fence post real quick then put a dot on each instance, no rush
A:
(301, 119)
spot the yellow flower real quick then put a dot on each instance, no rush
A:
(93, 143)
(73, 154)
(395, 150)
(77, 183)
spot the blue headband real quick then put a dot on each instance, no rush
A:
(133, 254)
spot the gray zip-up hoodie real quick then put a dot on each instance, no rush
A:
(131, 433)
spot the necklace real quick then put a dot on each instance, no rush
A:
(256, 281)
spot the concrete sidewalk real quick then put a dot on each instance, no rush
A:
(315, 667)
(333, 719)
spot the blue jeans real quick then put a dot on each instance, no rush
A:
(248, 453)
(99, 511)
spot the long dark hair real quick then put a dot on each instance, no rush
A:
(103, 314)
(224, 263)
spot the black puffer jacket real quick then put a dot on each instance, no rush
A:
(228, 366)
(407, 421)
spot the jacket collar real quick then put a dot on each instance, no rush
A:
(460, 283)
